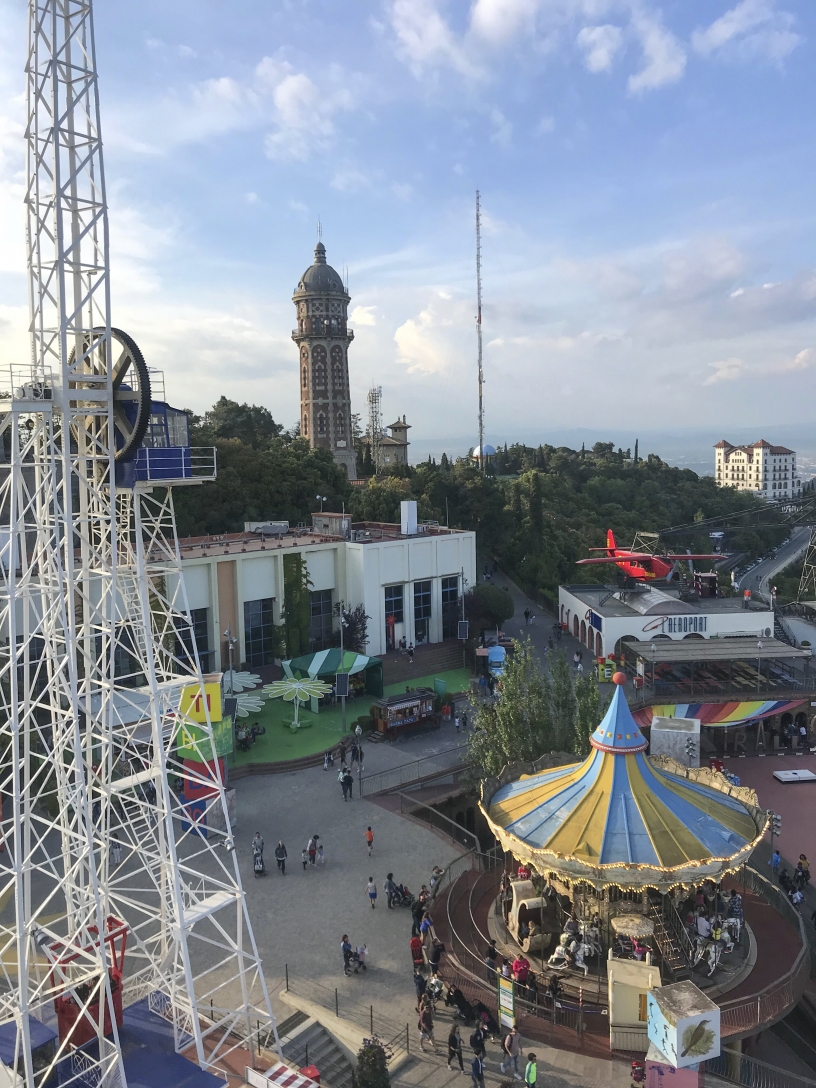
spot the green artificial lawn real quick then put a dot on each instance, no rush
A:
(324, 730)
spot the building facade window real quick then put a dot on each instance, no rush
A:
(199, 629)
(422, 611)
(259, 633)
(394, 603)
(450, 607)
(321, 424)
(305, 426)
(321, 610)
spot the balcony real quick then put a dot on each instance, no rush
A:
(174, 465)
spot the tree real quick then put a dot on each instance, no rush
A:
(588, 713)
(355, 627)
(519, 726)
(296, 605)
(562, 704)
(636, 453)
(372, 1065)
(536, 510)
(488, 606)
(251, 424)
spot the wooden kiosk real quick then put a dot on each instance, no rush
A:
(397, 714)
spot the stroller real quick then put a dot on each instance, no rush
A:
(401, 896)
(258, 863)
(358, 959)
(464, 1010)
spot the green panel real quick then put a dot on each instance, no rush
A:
(440, 687)
(193, 743)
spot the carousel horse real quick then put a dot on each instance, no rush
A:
(591, 936)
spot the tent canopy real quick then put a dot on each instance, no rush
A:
(721, 714)
(327, 663)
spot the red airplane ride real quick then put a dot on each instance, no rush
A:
(640, 565)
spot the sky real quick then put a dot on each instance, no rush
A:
(646, 172)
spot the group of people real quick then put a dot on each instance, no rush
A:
(311, 854)
(713, 919)
(794, 887)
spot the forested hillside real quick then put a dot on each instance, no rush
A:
(541, 510)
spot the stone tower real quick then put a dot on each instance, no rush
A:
(323, 338)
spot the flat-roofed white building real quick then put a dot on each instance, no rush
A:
(409, 583)
(769, 471)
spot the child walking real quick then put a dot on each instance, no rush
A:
(304, 857)
(369, 837)
(371, 888)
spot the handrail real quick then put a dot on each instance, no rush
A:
(711, 689)
(429, 815)
(737, 1068)
(393, 777)
(678, 930)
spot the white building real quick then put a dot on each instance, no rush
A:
(600, 618)
(769, 471)
(408, 577)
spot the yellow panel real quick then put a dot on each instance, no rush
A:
(192, 705)
(513, 808)
(581, 835)
(739, 822)
(672, 840)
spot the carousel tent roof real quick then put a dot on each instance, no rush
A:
(735, 713)
(619, 808)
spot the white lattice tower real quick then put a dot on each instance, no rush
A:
(96, 649)
(375, 428)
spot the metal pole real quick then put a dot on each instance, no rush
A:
(407, 1040)
(342, 698)
(336, 1003)
(287, 977)
(371, 1011)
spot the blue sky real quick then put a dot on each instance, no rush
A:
(646, 173)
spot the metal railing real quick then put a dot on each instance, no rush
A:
(418, 810)
(362, 1015)
(175, 463)
(736, 1068)
(788, 689)
(452, 759)
(743, 1016)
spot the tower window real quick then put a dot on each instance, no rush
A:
(337, 364)
(321, 424)
(305, 377)
(341, 426)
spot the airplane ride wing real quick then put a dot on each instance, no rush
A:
(630, 557)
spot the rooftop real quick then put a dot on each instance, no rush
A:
(701, 650)
(651, 601)
(362, 532)
(760, 445)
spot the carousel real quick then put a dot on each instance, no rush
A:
(603, 844)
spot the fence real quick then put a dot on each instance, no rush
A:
(744, 1015)
(368, 1017)
(736, 1068)
(418, 810)
(451, 760)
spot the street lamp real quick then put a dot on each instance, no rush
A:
(759, 662)
(343, 624)
(232, 642)
(322, 499)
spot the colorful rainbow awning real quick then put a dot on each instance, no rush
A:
(620, 817)
(718, 713)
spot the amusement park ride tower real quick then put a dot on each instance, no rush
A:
(114, 888)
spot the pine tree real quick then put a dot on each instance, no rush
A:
(372, 1065)
(536, 510)
(636, 452)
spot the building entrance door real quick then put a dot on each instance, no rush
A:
(420, 632)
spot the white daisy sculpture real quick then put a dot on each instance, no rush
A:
(249, 704)
(235, 681)
(292, 690)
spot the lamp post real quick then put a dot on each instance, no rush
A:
(342, 607)
(759, 662)
(232, 641)
(654, 651)
(322, 499)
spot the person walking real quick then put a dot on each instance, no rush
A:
(420, 984)
(435, 955)
(531, 1072)
(354, 754)
(346, 952)
(311, 848)
(411, 652)
(321, 857)
(426, 1027)
(281, 856)
(371, 888)
(349, 784)
(342, 753)
(389, 887)
(774, 863)
(417, 912)
(455, 1047)
(464, 723)
(477, 1072)
(511, 1046)
(477, 1040)
(456, 722)
(369, 838)
(358, 730)
(341, 778)
(304, 857)
(116, 851)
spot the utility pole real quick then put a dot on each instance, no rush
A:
(342, 625)
(775, 829)
(479, 324)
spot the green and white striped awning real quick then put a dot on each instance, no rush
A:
(328, 663)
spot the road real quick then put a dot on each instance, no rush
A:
(758, 577)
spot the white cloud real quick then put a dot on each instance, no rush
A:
(298, 206)
(350, 181)
(726, 370)
(424, 39)
(499, 20)
(545, 125)
(402, 191)
(186, 51)
(665, 58)
(600, 44)
(252, 198)
(363, 315)
(803, 360)
(430, 343)
(502, 128)
(303, 113)
(754, 28)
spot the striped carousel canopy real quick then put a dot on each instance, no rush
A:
(621, 818)
(736, 713)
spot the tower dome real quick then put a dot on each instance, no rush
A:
(320, 278)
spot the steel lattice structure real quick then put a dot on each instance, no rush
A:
(96, 648)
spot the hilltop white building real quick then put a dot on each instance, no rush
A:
(769, 471)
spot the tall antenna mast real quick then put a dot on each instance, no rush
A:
(375, 426)
(479, 324)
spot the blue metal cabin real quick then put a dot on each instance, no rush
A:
(165, 453)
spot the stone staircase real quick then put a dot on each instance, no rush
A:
(306, 1042)
(439, 657)
(782, 631)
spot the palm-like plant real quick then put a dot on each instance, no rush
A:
(292, 690)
